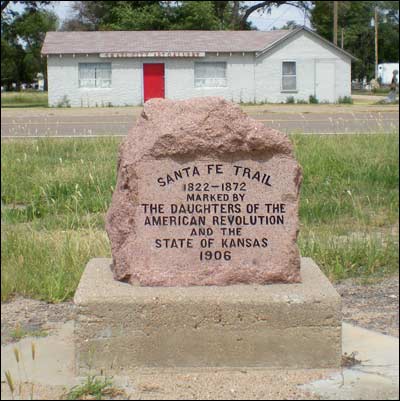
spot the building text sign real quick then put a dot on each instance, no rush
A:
(153, 54)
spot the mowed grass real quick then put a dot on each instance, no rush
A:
(55, 193)
(24, 99)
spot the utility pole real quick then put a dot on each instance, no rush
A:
(335, 22)
(342, 39)
(376, 42)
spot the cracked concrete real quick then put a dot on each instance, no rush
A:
(376, 378)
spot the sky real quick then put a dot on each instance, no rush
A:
(263, 22)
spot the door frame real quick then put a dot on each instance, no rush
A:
(142, 76)
(321, 62)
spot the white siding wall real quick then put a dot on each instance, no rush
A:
(249, 79)
(306, 50)
(127, 80)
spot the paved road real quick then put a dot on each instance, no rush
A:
(65, 123)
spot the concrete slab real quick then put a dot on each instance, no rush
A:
(54, 360)
(53, 371)
(120, 326)
(376, 378)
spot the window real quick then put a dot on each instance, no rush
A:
(289, 76)
(95, 75)
(209, 75)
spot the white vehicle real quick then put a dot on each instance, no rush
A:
(385, 72)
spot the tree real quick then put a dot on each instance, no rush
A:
(117, 15)
(388, 39)
(290, 25)
(355, 17)
(247, 8)
(31, 28)
(196, 15)
(159, 15)
(140, 15)
(21, 42)
(11, 63)
(29, 5)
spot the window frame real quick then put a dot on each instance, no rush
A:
(94, 79)
(295, 90)
(225, 85)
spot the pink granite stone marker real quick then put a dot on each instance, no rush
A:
(205, 195)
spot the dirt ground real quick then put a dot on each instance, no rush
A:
(212, 385)
(372, 306)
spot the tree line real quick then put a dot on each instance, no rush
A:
(22, 33)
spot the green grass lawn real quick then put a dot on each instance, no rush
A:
(23, 99)
(55, 193)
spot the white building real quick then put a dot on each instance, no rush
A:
(118, 68)
(385, 72)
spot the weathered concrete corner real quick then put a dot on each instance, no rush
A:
(203, 164)
(120, 326)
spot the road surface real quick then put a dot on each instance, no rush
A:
(117, 121)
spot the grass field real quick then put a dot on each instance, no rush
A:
(29, 99)
(55, 194)
(23, 99)
(377, 92)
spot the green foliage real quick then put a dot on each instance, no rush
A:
(313, 99)
(290, 100)
(301, 101)
(380, 91)
(21, 43)
(355, 18)
(196, 15)
(345, 100)
(11, 59)
(150, 15)
(167, 15)
(157, 16)
(95, 388)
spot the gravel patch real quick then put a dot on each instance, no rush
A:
(31, 316)
(203, 385)
(372, 306)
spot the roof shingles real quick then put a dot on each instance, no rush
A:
(155, 41)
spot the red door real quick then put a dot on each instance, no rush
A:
(153, 81)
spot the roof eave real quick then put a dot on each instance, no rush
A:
(295, 32)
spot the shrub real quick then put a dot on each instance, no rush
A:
(301, 101)
(290, 100)
(313, 99)
(64, 102)
(345, 100)
(383, 90)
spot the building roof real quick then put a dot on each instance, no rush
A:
(155, 41)
(90, 42)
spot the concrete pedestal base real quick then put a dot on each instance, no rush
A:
(119, 326)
